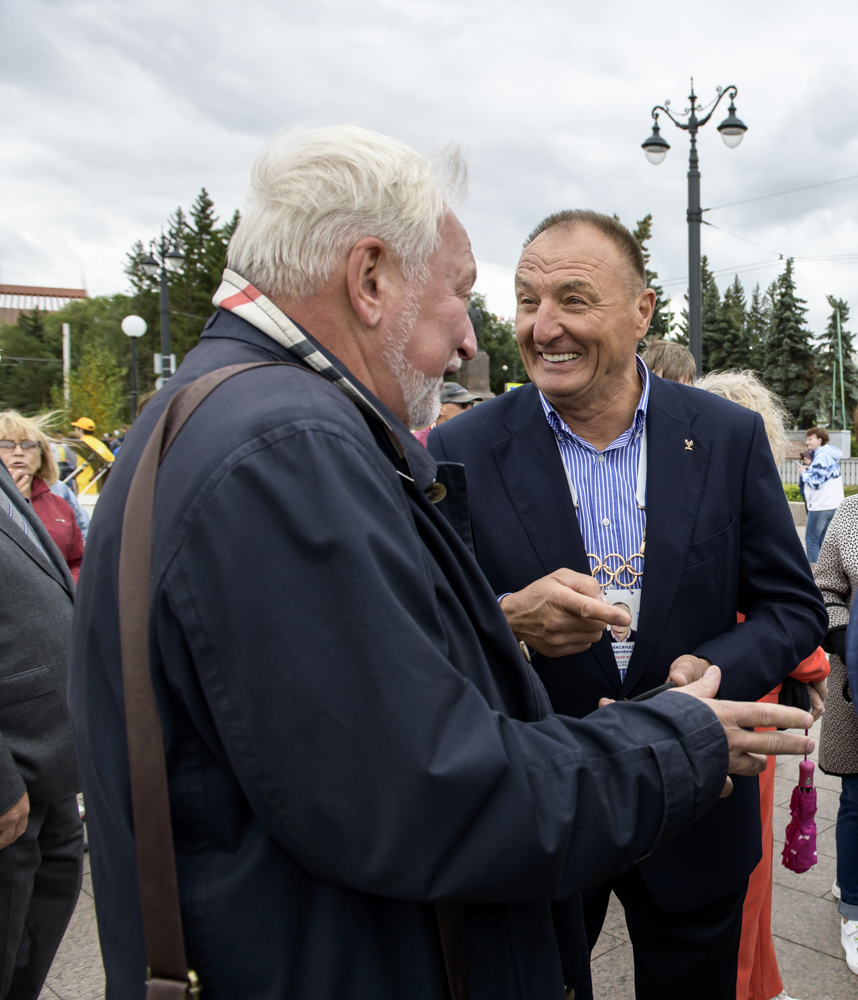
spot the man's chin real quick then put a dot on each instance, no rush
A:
(428, 409)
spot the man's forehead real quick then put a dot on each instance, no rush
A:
(456, 245)
(559, 253)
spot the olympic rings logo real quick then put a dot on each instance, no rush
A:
(622, 575)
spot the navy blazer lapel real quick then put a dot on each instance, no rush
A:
(532, 471)
(9, 491)
(677, 459)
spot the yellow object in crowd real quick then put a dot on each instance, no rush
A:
(85, 477)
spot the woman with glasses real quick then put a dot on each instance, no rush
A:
(26, 452)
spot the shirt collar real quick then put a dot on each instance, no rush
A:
(239, 296)
(628, 436)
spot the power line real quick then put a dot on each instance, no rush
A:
(723, 272)
(777, 194)
(744, 239)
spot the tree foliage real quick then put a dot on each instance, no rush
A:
(787, 356)
(96, 389)
(825, 395)
(26, 385)
(730, 345)
(661, 317)
(497, 339)
(204, 243)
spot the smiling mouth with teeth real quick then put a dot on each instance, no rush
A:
(555, 358)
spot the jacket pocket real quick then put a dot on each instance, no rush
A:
(15, 688)
(710, 547)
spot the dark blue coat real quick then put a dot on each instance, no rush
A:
(351, 730)
(720, 539)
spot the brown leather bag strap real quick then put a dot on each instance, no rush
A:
(168, 976)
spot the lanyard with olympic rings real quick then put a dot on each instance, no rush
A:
(621, 574)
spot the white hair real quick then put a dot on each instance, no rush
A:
(315, 192)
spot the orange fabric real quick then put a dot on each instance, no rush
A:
(759, 977)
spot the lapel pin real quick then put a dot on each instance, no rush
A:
(688, 444)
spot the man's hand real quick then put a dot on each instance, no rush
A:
(687, 669)
(561, 613)
(13, 822)
(23, 480)
(818, 693)
(748, 750)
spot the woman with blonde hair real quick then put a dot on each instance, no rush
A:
(759, 977)
(26, 452)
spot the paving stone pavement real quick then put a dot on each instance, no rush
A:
(805, 921)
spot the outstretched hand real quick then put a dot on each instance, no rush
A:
(561, 613)
(748, 750)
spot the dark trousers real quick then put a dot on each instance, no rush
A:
(677, 955)
(40, 877)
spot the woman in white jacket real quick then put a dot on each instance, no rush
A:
(823, 489)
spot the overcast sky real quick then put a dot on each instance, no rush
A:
(112, 114)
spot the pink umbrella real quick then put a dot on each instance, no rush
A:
(799, 853)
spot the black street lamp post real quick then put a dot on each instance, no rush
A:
(164, 257)
(656, 146)
(133, 327)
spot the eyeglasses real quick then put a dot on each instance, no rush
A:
(12, 445)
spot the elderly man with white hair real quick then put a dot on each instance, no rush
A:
(369, 795)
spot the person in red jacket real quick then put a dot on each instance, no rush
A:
(759, 977)
(26, 453)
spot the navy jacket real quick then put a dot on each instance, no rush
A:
(351, 730)
(720, 539)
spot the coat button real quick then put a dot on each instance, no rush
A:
(436, 492)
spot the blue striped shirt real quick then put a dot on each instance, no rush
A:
(610, 520)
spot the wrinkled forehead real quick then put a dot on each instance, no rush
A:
(561, 254)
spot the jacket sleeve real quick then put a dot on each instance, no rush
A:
(363, 748)
(785, 618)
(814, 668)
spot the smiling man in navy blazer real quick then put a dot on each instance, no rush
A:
(600, 477)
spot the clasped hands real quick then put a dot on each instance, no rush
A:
(566, 612)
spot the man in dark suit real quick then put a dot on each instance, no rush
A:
(41, 836)
(658, 488)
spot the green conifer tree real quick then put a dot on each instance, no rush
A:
(787, 352)
(729, 347)
(661, 317)
(711, 313)
(757, 321)
(25, 385)
(826, 376)
(203, 242)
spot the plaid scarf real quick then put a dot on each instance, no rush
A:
(238, 296)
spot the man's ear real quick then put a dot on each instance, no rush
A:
(368, 277)
(646, 307)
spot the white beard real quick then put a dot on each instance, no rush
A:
(420, 392)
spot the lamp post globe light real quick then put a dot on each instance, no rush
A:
(163, 257)
(732, 131)
(133, 327)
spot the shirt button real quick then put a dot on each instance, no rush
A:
(606, 521)
(601, 458)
